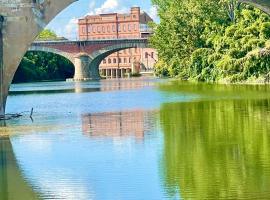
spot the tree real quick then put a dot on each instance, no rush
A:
(212, 40)
(47, 34)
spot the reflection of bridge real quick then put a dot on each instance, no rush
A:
(87, 55)
(20, 23)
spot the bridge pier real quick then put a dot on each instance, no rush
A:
(81, 68)
(85, 69)
(2, 96)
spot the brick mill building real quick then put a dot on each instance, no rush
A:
(120, 26)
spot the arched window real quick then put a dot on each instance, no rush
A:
(119, 60)
(109, 61)
(114, 60)
(104, 61)
(89, 28)
(83, 29)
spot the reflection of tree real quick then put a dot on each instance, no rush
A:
(12, 184)
(217, 149)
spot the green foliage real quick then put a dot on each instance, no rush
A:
(47, 35)
(211, 40)
(39, 66)
(213, 147)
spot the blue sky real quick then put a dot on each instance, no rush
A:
(65, 24)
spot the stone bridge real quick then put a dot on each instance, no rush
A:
(87, 55)
(20, 23)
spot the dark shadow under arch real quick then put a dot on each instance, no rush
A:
(44, 66)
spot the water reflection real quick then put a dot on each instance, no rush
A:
(12, 183)
(79, 87)
(217, 149)
(217, 91)
(117, 124)
(88, 161)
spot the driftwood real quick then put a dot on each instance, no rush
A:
(15, 115)
(10, 116)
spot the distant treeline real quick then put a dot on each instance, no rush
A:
(41, 66)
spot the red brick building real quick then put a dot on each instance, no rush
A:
(120, 26)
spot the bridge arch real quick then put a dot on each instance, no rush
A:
(98, 56)
(17, 35)
(66, 55)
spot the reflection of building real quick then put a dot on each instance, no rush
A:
(120, 26)
(116, 124)
(110, 85)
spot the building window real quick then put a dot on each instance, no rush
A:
(124, 28)
(94, 29)
(108, 29)
(98, 29)
(119, 27)
(109, 61)
(125, 60)
(134, 16)
(135, 27)
(89, 28)
(83, 29)
(103, 29)
(119, 60)
(129, 27)
(113, 28)
(104, 61)
(129, 60)
(114, 60)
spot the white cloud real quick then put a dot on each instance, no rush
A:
(107, 7)
(92, 5)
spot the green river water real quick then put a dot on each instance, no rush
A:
(136, 139)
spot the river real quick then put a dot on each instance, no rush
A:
(137, 139)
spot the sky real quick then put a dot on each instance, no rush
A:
(65, 24)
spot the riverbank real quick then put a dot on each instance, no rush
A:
(227, 81)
